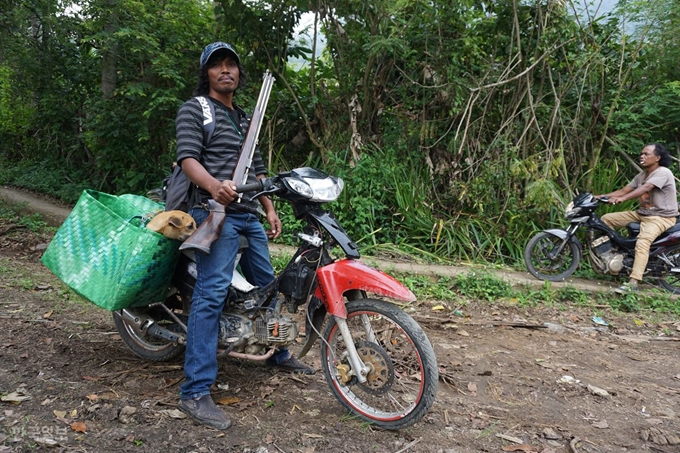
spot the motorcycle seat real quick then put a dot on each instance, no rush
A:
(243, 242)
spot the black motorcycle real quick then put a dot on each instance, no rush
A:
(554, 254)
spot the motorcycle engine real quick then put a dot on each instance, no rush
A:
(241, 334)
(605, 257)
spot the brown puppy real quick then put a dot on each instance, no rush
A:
(173, 224)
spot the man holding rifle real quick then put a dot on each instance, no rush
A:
(211, 167)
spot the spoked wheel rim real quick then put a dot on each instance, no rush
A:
(395, 384)
(542, 261)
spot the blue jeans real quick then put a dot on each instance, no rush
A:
(214, 274)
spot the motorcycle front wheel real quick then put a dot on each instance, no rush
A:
(670, 281)
(540, 262)
(403, 378)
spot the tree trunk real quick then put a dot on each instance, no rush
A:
(110, 50)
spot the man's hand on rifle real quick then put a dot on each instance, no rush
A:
(225, 193)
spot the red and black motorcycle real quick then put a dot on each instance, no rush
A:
(376, 359)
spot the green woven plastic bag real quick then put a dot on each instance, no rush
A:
(103, 253)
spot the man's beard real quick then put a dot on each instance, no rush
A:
(225, 90)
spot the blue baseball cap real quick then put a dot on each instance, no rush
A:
(210, 49)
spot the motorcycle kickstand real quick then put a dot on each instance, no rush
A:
(358, 366)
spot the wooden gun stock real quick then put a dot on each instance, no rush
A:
(208, 231)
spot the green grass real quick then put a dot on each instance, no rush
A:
(10, 213)
(34, 222)
(428, 288)
(483, 285)
(487, 287)
(279, 262)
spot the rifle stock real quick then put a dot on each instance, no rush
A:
(210, 230)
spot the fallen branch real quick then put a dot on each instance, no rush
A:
(572, 444)
(513, 439)
(523, 325)
(659, 449)
(278, 448)
(9, 228)
(171, 383)
(410, 445)
(424, 319)
(433, 320)
(449, 379)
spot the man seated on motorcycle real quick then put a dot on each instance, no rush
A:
(210, 167)
(654, 188)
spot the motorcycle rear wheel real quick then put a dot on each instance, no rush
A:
(143, 345)
(670, 281)
(544, 267)
(402, 384)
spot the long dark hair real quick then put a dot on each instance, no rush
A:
(203, 84)
(662, 152)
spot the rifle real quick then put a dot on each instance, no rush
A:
(210, 230)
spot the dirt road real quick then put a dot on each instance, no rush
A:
(572, 385)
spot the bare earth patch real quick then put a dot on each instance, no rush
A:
(508, 383)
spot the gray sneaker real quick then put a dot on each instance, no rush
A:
(204, 411)
(626, 288)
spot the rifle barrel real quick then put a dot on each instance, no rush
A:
(250, 143)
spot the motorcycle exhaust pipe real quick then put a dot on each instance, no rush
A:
(148, 326)
(256, 358)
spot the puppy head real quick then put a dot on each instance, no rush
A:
(173, 224)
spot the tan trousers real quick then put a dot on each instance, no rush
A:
(651, 228)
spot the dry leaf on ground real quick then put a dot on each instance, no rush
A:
(227, 400)
(79, 427)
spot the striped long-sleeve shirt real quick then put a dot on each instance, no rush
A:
(221, 155)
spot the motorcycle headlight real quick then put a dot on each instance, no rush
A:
(315, 185)
(570, 211)
(327, 189)
(300, 187)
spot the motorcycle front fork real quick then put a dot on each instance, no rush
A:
(570, 232)
(358, 367)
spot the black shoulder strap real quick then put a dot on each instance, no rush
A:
(241, 112)
(208, 118)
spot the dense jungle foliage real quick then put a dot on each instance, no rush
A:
(460, 127)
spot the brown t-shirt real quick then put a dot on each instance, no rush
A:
(662, 200)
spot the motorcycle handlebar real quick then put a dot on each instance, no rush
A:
(256, 186)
